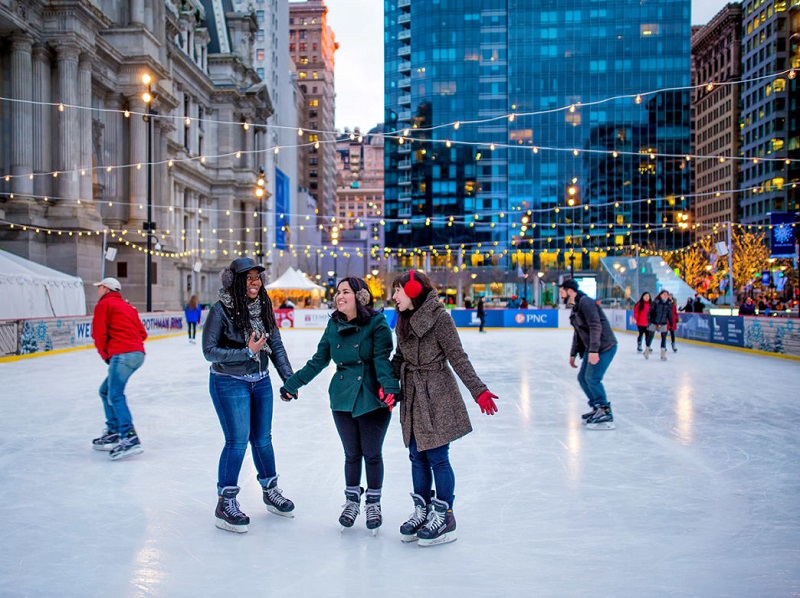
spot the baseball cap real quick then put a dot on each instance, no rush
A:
(245, 264)
(570, 283)
(112, 284)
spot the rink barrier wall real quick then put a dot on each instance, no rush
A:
(769, 335)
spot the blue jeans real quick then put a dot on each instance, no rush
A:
(244, 410)
(112, 391)
(430, 465)
(590, 377)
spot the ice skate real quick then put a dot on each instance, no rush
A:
(603, 419)
(639, 346)
(663, 354)
(276, 502)
(674, 348)
(106, 442)
(440, 527)
(352, 507)
(588, 415)
(127, 447)
(408, 531)
(229, 515)
(372, 510)
(647, 352)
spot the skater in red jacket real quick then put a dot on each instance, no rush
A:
(640, 316)
(119, 336)
(673, 326)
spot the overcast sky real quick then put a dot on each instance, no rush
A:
(358, 27)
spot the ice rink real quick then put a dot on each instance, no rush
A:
(696, 493)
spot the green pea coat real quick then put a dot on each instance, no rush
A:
(360, 349)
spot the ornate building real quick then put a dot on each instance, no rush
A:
(717, 57)
(86, 163)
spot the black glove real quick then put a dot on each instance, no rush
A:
(286, 395)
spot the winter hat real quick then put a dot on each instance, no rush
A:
(238, 266)
(570, 284)
(112, 284)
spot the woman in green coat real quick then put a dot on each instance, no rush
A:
(359, 341)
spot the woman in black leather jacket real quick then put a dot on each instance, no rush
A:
(240, 338)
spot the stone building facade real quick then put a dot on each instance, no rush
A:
(717, 57)
(77, 149)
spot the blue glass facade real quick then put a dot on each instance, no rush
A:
(507, 183)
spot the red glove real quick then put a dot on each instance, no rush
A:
(388, 399)
(486, 403)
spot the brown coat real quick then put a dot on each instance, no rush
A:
(433, 410)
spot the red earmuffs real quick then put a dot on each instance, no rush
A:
(412, 288)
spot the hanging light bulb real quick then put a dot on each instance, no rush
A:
(638, 99)
(458, 124)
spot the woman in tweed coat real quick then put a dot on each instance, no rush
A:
(433, 413)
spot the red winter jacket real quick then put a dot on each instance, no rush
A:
(116, 327)
(674, 324)
(641, 315)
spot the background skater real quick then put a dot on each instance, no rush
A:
(595, 342)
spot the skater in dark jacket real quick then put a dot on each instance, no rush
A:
(433, 413)
(359, 341)
(660, 319)
(594, 341)
(240, 338)
(481, 313)
(641, 313)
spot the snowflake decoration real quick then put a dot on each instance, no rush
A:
(41, 330)
(783, 234)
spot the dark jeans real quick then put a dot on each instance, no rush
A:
(244, 410)
(362, 438)
(192, 326)
(430, 465)
(642, 333)
(652, 333)
(112, 391)
(590, 377)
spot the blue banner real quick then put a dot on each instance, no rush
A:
(282, 221)
(727, 330)
(530, 318)
(782, 237)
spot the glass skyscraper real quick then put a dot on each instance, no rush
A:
(536, 134)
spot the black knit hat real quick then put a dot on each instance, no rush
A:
(570, 283)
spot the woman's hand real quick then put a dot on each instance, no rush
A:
(256, 345)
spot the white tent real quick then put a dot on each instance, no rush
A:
(294, 280)
(30, 290)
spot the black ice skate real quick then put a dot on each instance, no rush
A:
(128, 446)
(408, 531)
(372, 510)
(674, 348)
(276, 502)
(603, 419)
(587, 416)
(229, 516)
(441, 525)
(106, 442)
(352, 507)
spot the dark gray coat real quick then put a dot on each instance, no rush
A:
(433, 410)
(593, 333)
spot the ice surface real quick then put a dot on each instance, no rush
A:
(694, 494)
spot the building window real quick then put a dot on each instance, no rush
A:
(260, 54)
(122, 269)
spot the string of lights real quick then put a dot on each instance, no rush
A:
(404, 136)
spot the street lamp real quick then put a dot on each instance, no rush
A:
(149, 226)
(260, 195)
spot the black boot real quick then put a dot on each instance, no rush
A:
(229, 515)
(372, 509)
(408, 531)
(352, 506)
(274, 499)
(441, 525)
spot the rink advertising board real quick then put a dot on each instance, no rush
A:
(530, 318)
(727, 330)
